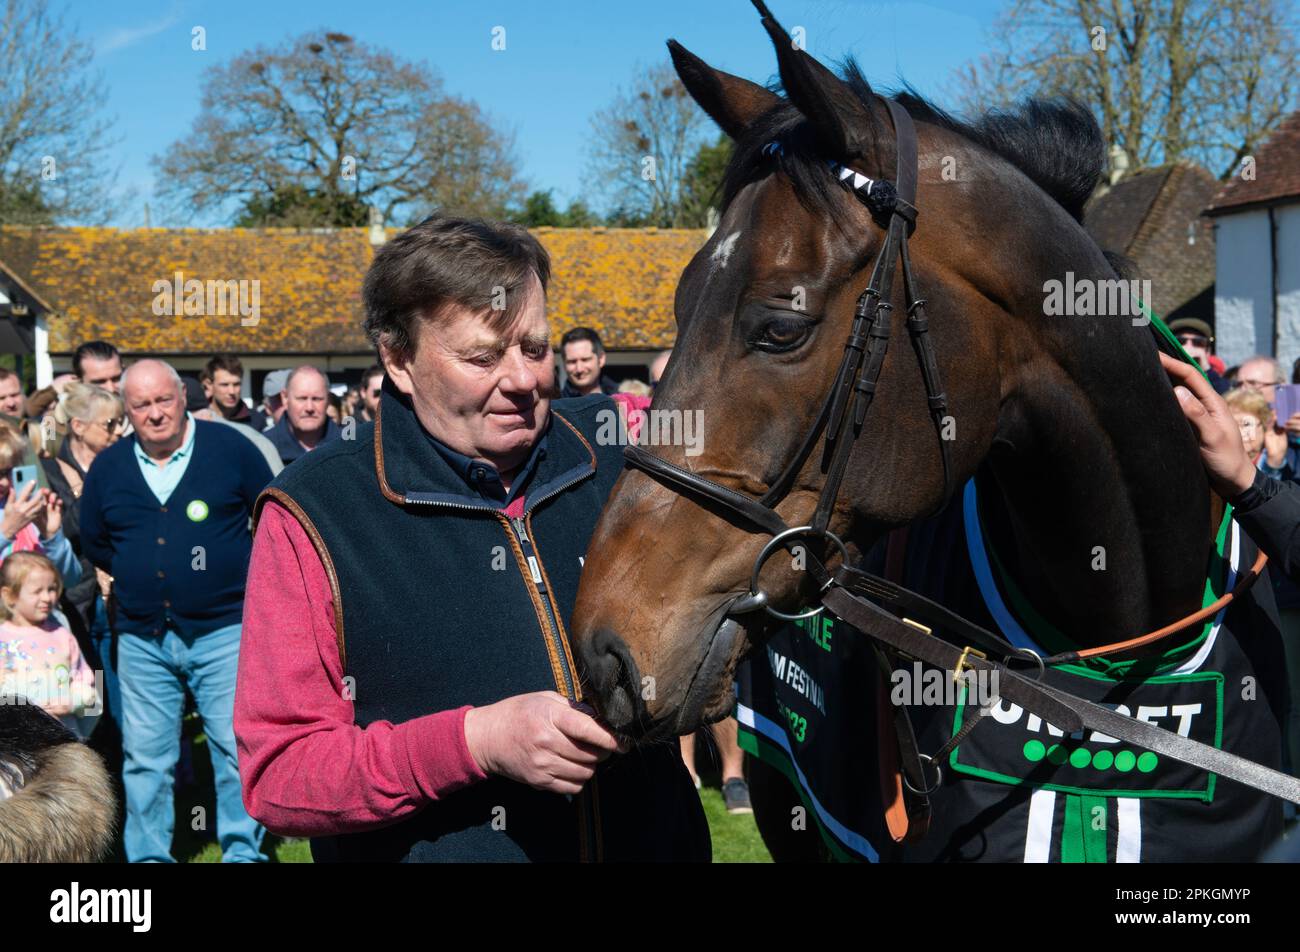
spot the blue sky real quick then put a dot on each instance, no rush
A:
(563, 60)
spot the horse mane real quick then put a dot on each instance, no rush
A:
(1055, 142)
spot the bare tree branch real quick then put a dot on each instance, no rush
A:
(342, 124)
(54, 145)
(1198, 80)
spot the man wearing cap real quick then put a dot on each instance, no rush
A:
(406, 688)
(273, 397)
(1197, 339)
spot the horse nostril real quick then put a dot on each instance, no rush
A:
(611, 675)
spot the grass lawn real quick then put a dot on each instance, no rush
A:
(735, 838)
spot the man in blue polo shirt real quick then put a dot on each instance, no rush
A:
(166, 513)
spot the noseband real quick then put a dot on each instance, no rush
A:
(893, 205)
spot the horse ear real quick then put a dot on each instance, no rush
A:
(837, 115)
(733, 103)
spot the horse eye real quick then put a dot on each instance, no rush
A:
(782, 334)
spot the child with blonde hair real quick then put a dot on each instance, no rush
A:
(39, 658)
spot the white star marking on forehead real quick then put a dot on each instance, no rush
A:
(722, 254)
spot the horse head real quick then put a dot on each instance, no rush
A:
(763, 312)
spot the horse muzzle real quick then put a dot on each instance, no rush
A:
(631, 701)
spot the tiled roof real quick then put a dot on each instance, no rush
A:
(1113, 217)
(1149, 219)
(11, 278)
(1277, 172)
(101, 283)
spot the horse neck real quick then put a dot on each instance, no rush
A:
(1099, 505)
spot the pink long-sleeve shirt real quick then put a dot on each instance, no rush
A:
(307, 768)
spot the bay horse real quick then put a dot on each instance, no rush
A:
(1091, 495)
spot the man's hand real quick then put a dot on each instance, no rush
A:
(1222, 451)
(50, 519)
(1275, 445)
(539, 739)
(21, 509)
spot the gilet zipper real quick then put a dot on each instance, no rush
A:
(589, 836)
(539, 583)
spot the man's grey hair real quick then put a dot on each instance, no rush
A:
(1274, 367)
(171, 372)
(306, 368)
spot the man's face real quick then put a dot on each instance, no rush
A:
(370, 395)
(102, 373)
(1197, 347)
(224, 389)
(583, 364)
(156, 407)
(1259, 375)
(306, 399)
(482, 393)
(1252, 434)
(11, 396)
(657, 368)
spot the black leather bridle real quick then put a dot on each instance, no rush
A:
(845, 408)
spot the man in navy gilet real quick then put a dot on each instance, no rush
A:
(406, 688)
(166, 512)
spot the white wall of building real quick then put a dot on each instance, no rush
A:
(1287, 219)
(1243, 286)
(44, 367)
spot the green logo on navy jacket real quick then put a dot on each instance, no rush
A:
(445, 601)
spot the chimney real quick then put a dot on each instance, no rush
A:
(1118, 163)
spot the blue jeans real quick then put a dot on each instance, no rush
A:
(152, 672)
(101, 639)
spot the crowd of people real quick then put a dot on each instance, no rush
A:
(323, 653)
(116, 490)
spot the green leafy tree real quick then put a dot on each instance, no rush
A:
(578, 215)
(539, 211)
(294, 206)
(703, 185)
(623, 217)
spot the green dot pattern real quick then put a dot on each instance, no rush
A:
(1058, 754)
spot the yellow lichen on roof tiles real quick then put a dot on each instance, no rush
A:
(107, 283)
